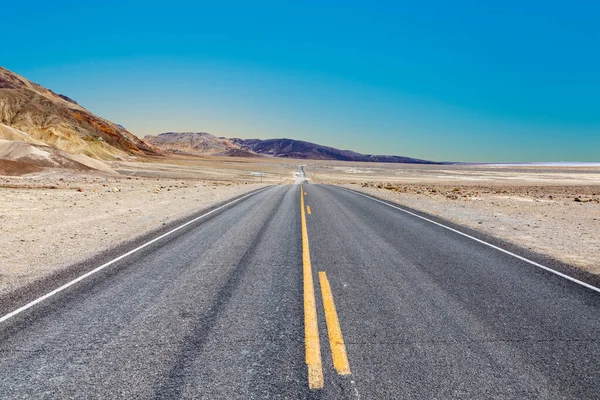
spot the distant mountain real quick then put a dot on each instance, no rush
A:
(207, 144)
(290, 148)
(197, 143)
(34, 114)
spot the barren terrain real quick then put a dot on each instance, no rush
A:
(34, 114)
(550, 210)
(55, 218)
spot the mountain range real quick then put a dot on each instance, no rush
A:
(200, 143)
(51, 123)
(43, 129)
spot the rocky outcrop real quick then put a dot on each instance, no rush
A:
(58, 121)
(18, 158)
(197, 143)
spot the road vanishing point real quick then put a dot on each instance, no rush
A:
(306, 291)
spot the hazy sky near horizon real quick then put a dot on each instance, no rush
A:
(505, 81)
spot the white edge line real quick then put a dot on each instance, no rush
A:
(100, 268)
(570, 278)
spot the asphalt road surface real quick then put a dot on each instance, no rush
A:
(260, 298)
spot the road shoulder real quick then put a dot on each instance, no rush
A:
(22, 284)
(490, 236)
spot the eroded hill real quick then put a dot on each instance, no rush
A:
(34, 114)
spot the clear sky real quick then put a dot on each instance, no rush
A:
(500, 81)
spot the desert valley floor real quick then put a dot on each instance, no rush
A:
(55, 218)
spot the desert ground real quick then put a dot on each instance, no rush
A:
(553, 210)
(55, 218)
(51, 219)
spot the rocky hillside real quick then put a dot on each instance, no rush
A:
(291, 148)
(197, 143)
(19, 158)
(34, 114)
(207, 144)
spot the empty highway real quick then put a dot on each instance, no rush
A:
(308, 291)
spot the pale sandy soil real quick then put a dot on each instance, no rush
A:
(238, 169)
(53, 219)
(550, 210)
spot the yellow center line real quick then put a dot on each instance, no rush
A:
(311, 329)
(336, 340)
(308, 209)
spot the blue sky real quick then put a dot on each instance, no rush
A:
(505, 81)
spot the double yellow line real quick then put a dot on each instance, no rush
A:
(311, 329)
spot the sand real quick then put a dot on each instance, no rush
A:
(35, 156)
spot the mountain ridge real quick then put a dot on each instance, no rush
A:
(198, 142)
(60, 122)
(292, 148)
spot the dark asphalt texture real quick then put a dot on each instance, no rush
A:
(215, 311)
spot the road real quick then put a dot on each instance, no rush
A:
(244, 302)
